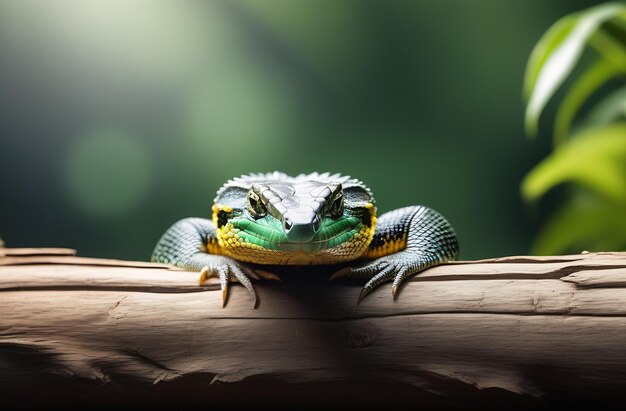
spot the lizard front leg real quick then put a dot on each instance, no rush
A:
(191, 244)
(406, 241)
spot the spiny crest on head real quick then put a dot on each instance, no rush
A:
(346, 181)
(245, 181)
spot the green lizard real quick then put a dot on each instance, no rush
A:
(313, 218)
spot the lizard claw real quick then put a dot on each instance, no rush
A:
(225, 271)
(341, 273)
(204, 274)
(267, 275)
(378, 272)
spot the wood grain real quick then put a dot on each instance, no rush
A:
(515, 331)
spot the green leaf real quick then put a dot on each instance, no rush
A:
(542, 50)
(585, 85)
(562, 57)
(610, 45)
(586, 222)
(612, 108)
(596, 158)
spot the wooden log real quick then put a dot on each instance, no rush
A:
(515, 332)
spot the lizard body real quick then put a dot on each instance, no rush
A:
(276, 219)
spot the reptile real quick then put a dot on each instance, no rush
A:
(319, 218)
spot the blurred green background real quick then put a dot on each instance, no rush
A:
(119, 117)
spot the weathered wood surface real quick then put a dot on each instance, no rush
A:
(515, 330)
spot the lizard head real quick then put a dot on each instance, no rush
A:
(308, 219)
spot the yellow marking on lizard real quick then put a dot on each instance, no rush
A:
(212, 246)
(387, 246)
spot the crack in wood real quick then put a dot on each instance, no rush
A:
(139, 289)
(144, 359)
(564, 312)
(111, 311)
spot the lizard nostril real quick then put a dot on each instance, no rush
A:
(316, 223)
(287, 224)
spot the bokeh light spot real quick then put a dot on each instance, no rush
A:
(108, 173)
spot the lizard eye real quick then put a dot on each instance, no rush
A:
(256, 206)
(336, 208)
